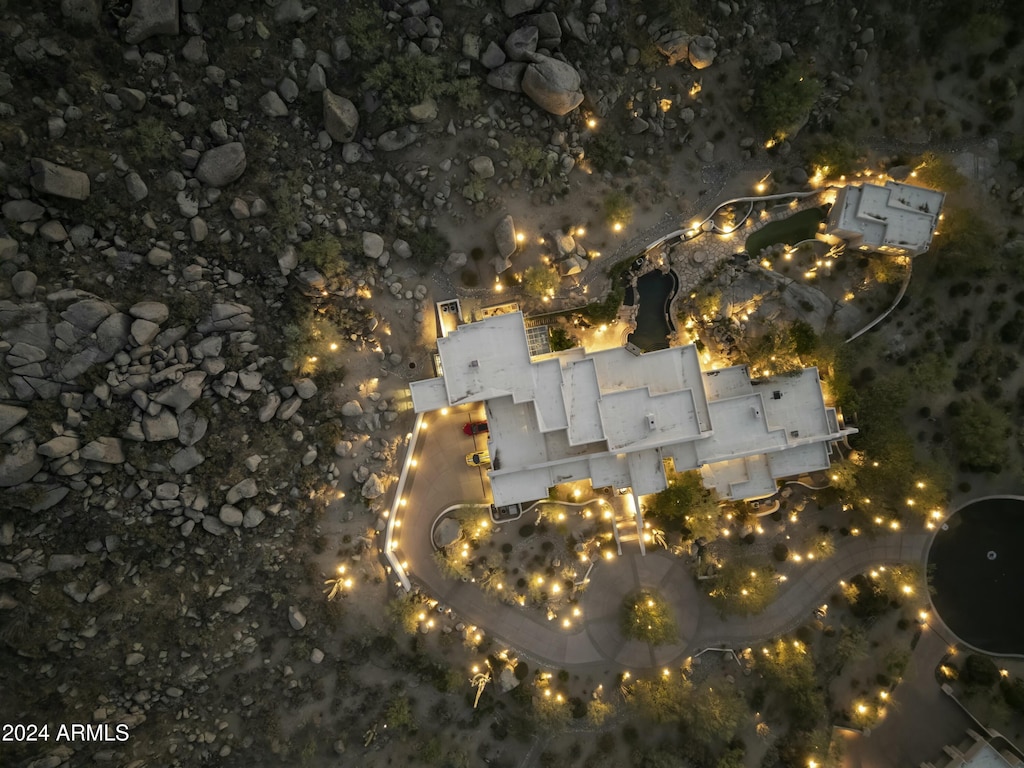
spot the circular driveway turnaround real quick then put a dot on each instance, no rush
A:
(611, 581)
(978, 574)
(441, 478)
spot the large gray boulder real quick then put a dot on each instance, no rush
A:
(221, 165)
(341, 118)
(493, 56)
(372, 488)
(106, 450)
(149, 18)
(163, 426)
(395, 139)
(11, 415)
(181, 395)
(154, 311)
(507, 77)
(112, 334)
(19, 465)
(675, 46)
(515, 7)
(553, 85)
(53, 179)
(482, 166)
(293, 12)
(59, 447)
(505, 237)
(86, 315)
(522, 43)
(702, 52)
(226, 316)
(373, 245)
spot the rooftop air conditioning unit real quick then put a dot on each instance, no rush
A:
(474, 363)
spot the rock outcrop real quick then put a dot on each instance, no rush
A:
(552, 84)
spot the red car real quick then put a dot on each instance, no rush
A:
(475, 427)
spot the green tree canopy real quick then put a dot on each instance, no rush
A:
(979, 434)
(789, 670)
(686, 505)
(646, 616)
(784, 96)
(714, 713)
(540, 281)
(744, 586)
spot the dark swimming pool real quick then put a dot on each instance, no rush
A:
(978, 572)
(654, 292)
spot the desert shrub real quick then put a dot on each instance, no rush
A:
(1013, 692)
(605, 152)
(980, 671)
(618, 207)
(780, 552)
(784, 95)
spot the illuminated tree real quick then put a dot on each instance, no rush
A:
(713, 713)
(452, 564)
(540, 281)
(784, 96)
(687, 505)
(405, 612)
(788, 669)
(662, 699)
(647, 617)
(551, 712)
(618, 208)
(598, 711)
(744, 587)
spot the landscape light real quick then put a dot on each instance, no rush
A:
(334, 347)
(617, 226)
(591, 123)
(520, 237)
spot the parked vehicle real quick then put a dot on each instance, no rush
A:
(475, 427)
(478, 458)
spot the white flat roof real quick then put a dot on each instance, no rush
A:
(486, 359)
(897, 215)
(614, 416)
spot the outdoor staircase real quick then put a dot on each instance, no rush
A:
(624, 528)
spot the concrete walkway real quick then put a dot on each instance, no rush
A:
(441, 479)
(598, 641)
(919, 722)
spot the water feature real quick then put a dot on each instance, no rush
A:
(978, 572)
(790, 230)
(654, 292)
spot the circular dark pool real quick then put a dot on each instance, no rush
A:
(978, 572)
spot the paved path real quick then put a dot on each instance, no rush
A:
(441, 479)
(919, 722)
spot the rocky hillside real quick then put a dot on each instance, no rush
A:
(224, 225)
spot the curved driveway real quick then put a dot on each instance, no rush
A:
(441, 478)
